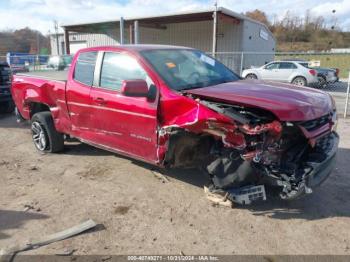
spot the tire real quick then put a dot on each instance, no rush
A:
(251, 76)
(322, 81)
(299, 81)
(45, 136)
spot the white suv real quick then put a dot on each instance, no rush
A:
(281, 71)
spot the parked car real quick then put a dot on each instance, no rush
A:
(6, 103)
(325, 76)
(178, 107)
(59, 62)
(282, 71)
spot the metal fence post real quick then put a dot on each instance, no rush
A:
(242, 59)
(347, 97)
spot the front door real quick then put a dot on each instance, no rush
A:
(270, 71)
(121, 123)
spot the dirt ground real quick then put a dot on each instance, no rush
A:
(139, 214)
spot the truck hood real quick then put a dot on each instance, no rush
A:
(287, 102)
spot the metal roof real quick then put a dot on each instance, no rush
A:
(187, 16)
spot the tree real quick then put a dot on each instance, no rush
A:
(23, 40)
(258, 15)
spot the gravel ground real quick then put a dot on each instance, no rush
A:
(139, 214)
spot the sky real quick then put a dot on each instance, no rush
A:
(40, 14)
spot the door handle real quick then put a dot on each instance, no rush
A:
(100, 101)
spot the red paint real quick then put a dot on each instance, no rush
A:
(137, 127)
(287, 102)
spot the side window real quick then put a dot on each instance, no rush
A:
(285, 65)
(272, 66)
(85, 67)
(117, 67)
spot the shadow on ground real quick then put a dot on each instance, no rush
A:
(9, 121)
(328, 200)
(10, 219)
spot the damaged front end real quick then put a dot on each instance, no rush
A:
(244, 148)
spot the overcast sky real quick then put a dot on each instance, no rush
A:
(39, 14)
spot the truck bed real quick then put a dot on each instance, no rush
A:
(50, 75)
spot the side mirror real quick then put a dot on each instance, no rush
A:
(135, 88)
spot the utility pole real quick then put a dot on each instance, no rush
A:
(215, 25)
(56, 34)
(38, 42)
(121, 25)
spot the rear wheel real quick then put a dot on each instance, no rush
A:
(299, 81)
(45, 136)
(251, 76)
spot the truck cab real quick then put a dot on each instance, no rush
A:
(178, 107)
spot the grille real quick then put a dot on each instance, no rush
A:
(316, 123)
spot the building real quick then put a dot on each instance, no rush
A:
(221, 32)
(340, 50)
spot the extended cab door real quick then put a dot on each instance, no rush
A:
(78, 94)
(122, 123)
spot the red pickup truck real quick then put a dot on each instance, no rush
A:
(178, 107)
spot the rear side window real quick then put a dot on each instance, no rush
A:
(117, 67)
(85, 67)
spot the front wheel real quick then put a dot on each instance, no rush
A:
(45, 136)
(299, 81)
(251, 76)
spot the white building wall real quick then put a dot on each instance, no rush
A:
(195, 34)
(91, 40)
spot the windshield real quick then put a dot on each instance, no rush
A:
(188, 69)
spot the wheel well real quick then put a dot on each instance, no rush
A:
(251, 74)
(299, 77)
(37, 107)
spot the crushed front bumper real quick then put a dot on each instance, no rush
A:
(322, 160)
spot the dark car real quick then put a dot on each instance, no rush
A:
(6, 102)
(325, 75)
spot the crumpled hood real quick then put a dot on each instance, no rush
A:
(287, 102)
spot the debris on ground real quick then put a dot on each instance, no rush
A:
(33, 168)
(34, 205)
(218, 199)
(121, 210)
(160, 176)
(66, 252)
(8, 254)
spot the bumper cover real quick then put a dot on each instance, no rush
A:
(321, 169)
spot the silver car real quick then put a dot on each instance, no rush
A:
(281, 71)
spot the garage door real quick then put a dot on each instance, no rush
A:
(75, 46)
